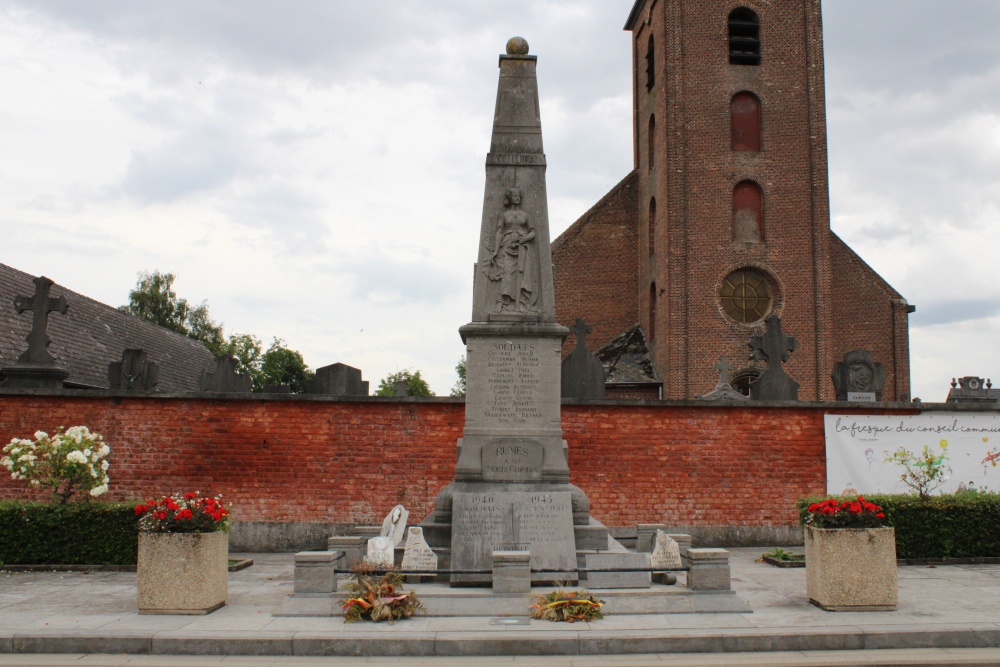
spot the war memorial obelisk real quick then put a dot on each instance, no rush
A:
(511, 488)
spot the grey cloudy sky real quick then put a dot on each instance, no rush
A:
(315, 169)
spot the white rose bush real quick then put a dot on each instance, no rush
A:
(72, 460)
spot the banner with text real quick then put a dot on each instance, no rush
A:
(857, 447)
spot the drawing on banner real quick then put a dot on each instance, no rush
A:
(862, 451)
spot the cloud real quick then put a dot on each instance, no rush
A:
(951, 312)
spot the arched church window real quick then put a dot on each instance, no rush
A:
(652, 311)
(652, 226)
(744, 37)
(650, 65)
(744, 120)
(748, 213)
(651, 141)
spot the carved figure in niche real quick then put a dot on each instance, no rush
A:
(860, 377)
(513, 255)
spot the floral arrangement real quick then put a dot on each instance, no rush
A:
(381, 600)
(69, 461)
(833, 513)
(183, 513)
(569, 607)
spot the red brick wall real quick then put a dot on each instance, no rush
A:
(594, 267)
(320, 461)
(870, 315)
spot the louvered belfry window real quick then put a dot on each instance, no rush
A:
(744, 37)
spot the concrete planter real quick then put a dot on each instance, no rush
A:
(183, 573)
(851, 569)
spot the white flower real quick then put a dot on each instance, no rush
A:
(104, 465)
(87, 452)
(35, 482)
(76, 457)
(98, 490)
(103, 451)
(93, 473)
(41, 435)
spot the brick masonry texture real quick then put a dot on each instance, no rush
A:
(593, 266)
(349, 462)
(829, 299)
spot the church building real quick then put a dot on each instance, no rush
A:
(725, 218)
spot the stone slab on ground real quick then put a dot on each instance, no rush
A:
(941, 609)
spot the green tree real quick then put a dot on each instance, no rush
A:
(280, 365)
(418, 386)
(154, 300)
(247, 350)
(459, 388)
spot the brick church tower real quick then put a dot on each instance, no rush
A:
(726, 218)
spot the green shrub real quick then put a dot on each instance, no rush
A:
(961, 525)
(91, 533)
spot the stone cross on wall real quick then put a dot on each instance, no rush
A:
(581, 329)
(583, 376)
(723, 391)
(775, 348)
(40, 305)
(725, 369)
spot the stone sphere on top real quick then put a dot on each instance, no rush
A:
(517, 46)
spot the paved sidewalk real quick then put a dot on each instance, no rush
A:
(940, 608)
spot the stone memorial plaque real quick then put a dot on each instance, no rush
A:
(418, 555)
(394, 524)
(513, 377)
(540, 522)
(598, 579)
(380, 551)
(861, 396)
(666, 552)
(512, 460)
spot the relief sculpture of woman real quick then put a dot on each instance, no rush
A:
(512, 258)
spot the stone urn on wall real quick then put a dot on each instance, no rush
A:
(183, 560)
(850, 568)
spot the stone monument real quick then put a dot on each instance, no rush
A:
(723, 390)
(394, 524)
(971, 389)
(417, 555)
(858, 377)
(133, 373)
(226, 379)
(511, 490)
(583, 375)
(775, 348)
(36, 368)
(339, 380)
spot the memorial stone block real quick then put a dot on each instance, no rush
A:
(583, 375)
(666, 553)
(381, 552)
(541, 523)
(418, 555)
(858, 377)
(226, 379)
(774, 348)
(35, 367)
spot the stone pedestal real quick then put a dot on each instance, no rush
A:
(314, 572)
(352, 546)
(511, 572)
(708, 570)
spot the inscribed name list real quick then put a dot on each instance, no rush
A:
(540, 522)
(513, 379)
